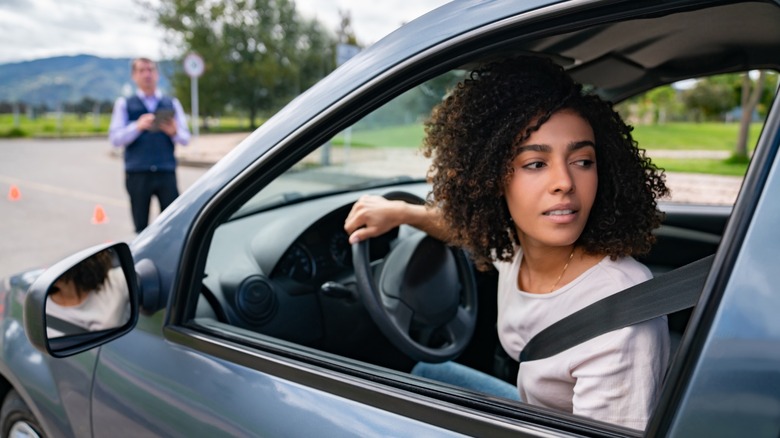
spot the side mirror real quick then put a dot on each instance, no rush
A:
(83, 301)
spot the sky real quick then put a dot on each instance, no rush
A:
(34, 29)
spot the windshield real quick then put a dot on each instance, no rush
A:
(382, 148)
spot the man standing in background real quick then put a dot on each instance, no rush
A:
(148, 125)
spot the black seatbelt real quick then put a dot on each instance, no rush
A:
(665, 294)
(65, 327)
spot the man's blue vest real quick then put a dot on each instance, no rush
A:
(151, 151)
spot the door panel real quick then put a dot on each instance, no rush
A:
(147, 386)
(688, 233)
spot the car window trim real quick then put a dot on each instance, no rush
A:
(450, 408)
(702, 318)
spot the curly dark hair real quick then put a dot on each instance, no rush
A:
(90, 274)
(475, 133)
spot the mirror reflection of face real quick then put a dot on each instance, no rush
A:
(91, 296)
(66, 293)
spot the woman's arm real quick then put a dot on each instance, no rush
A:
(373, 215)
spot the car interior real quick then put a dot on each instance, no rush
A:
(279, 268)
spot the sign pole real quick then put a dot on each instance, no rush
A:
(194, 66)
(194, 100)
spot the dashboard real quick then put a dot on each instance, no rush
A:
(322, 251)
(273, 272)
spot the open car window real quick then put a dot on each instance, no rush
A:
(280, 267)
(693, 129)
(280, 274)
(381, 149)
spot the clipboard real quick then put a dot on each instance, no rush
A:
(161, 116)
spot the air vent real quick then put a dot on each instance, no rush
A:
(256, 301)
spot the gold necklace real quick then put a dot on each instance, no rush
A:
(564, 270)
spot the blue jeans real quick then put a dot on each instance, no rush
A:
(465, 377)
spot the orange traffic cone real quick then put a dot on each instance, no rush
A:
(14, 194)
(99, 216)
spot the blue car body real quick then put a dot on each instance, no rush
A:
(166, 377)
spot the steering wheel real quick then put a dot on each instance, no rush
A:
(422, 295)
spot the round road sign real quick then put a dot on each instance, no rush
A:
(193, 65)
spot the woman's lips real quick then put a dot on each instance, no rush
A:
(559, 212)
(561, 215)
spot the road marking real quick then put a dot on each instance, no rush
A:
(75, 194)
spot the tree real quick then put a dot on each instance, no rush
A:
(259, 54)
(657, 106)
(664, 100)
(319, 57)
(713, 96)
(749, 100)
(84, 106)
(345, 34)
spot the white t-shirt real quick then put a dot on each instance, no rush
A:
(104, 309)
(615, 377)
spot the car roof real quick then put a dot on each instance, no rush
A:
(621, 57)
(663, 43)
(624, 58)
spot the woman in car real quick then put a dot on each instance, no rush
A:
(90, 296)
(544, 182)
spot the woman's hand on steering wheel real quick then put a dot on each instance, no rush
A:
(422, 295)
(372, 216)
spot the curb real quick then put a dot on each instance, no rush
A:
(194, 163)
(181, 160)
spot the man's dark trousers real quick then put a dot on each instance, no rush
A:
(141, 186)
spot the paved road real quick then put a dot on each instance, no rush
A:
(61, 183)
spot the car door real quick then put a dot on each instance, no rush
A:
(148, 386)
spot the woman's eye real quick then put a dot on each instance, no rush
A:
(586, 163)
(534, 165)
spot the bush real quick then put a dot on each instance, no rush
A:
(737, 159)
(14, 133)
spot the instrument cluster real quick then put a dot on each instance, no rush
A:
(323, 250)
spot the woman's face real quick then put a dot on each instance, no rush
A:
(66, 293)
(553, 186)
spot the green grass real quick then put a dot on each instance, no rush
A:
(692, 136)
(696, 136)
(71, 125)
(676, 136)
(407, 136)
(708, 166)
(48, 125)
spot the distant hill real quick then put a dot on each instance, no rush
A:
(70, 79)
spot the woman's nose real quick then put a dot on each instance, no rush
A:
(562, 180)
